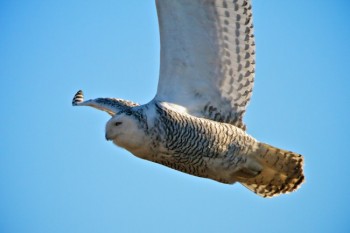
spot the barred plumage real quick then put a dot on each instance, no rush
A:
(78, 98)
(208, 52)
(192, 142)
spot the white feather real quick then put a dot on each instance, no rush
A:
(207, 56)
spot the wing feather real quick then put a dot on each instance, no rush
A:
(207, 57)
(110, 105)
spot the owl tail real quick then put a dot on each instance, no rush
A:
(282, 172)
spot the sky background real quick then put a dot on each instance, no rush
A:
(59, 174)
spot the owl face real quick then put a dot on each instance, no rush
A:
(125, 131)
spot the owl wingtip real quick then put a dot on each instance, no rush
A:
(78, 98)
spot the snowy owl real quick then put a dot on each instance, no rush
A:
(208, 53)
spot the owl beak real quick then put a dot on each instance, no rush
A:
(107, 138)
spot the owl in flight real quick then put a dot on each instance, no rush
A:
(194, 123)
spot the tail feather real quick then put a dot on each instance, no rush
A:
(282, 172)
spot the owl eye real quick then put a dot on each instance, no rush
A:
(117, 123)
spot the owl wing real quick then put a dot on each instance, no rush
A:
(207, 57)
(110, 105)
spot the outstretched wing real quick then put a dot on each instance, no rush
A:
(207, 57)
(109, 105)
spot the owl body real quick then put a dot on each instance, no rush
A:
(199, 146)
(204, 148)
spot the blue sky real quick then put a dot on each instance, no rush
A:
(58, 174)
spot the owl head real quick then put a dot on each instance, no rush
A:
(126, 130)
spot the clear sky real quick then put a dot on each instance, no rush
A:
(58, 174)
